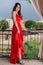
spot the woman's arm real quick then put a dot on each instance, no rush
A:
(15, 22)
(24, 20)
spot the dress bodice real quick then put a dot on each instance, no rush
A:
(18, 18)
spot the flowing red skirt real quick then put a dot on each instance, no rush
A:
(16, 43)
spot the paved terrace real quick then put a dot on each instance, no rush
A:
(4, 61)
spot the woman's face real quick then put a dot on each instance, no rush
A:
(18, 8)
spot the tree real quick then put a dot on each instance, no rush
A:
(4, 24)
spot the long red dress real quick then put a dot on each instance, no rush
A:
(16, 41)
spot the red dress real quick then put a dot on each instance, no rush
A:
(16, 41)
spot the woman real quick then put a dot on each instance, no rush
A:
(17, 49)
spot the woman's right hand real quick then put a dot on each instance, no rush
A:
(18, 31)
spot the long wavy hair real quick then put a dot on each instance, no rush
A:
(14, 8)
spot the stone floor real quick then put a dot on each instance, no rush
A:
(4, 61)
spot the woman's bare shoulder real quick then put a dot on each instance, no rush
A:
(14, 12)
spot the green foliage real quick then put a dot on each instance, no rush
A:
(32, 24)
(31, 49)
(39, 25)
(4, 24)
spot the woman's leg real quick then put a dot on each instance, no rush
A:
(20, 53)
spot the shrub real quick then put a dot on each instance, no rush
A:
(33, 24)
(31, 49)
(30, 24)
(4, 24)
(39, 25)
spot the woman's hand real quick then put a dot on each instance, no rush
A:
(18, 31)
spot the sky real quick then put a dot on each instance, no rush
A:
(27, 9)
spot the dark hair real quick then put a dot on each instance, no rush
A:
(14, 8)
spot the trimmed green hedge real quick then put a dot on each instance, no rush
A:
(33, 24)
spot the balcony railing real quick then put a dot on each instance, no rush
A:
(33, 36)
